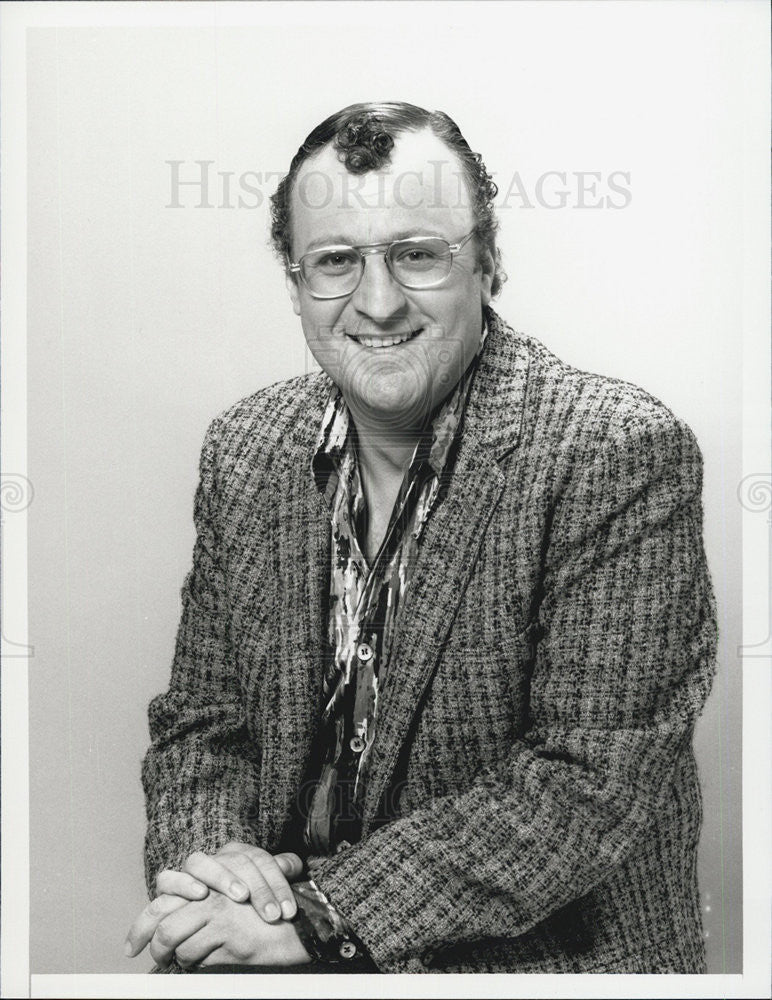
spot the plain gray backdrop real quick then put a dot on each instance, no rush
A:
(145, 321)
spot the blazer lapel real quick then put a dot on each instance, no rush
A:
(449, 548)
(448, 551)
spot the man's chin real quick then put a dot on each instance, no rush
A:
(387, 408)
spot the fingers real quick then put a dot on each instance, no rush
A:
(144, 927)
(266, 876)
(216, 875)
(242, 872)
(277, 871)
(290, 864)
(175, 930)
(261, 894)
(203, 948)
(180, 884)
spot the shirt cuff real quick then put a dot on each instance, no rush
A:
(323, 931)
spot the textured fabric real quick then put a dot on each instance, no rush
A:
(532, 803)
(365, 602)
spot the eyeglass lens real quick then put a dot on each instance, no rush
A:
(413, 263)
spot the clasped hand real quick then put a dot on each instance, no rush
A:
(231, 907)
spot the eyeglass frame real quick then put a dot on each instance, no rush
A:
(367, 249)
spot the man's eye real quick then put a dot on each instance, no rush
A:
(335, 262)
(416, 255)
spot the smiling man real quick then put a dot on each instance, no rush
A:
(449, 623)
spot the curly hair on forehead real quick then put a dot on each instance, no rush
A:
(363, 136)
(363, 145)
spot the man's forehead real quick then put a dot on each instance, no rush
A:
(423, 175)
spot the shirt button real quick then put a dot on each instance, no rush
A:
(348, 949)
(342, 846)
(357, 744)
(364, 652)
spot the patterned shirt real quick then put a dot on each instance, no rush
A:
(365, 602)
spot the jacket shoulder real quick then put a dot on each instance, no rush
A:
(282, 415)
(572, 403)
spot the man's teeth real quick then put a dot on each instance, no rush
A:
(385, 341)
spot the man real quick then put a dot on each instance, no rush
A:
(449, 624)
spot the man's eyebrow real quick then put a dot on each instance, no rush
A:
(334, 240)
(342, 239)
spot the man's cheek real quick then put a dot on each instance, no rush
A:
(329, 349)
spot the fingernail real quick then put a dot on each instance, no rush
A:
(239, 891)
(199, 890)
(128, 949)
(272, 911)
(288, 910)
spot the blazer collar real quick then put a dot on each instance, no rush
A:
(494, 412)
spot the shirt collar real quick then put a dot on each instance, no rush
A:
(433, 446)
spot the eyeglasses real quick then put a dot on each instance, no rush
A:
(417, 262)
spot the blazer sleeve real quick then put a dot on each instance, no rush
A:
(623, 663)
(201, 773)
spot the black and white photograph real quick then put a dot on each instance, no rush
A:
(386, 499)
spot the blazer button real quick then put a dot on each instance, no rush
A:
(364, 652)
(347, 949)
(357, 744)
(427, 958)
(342, 846)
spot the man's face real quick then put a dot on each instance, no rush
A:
(419, 193)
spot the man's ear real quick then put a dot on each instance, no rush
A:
(294, 294)
(488, 268)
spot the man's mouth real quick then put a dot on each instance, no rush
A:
(392, 341)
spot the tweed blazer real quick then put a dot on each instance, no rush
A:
(533, 803)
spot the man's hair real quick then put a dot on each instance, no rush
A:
(363, 134)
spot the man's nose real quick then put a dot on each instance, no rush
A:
(379, 295)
